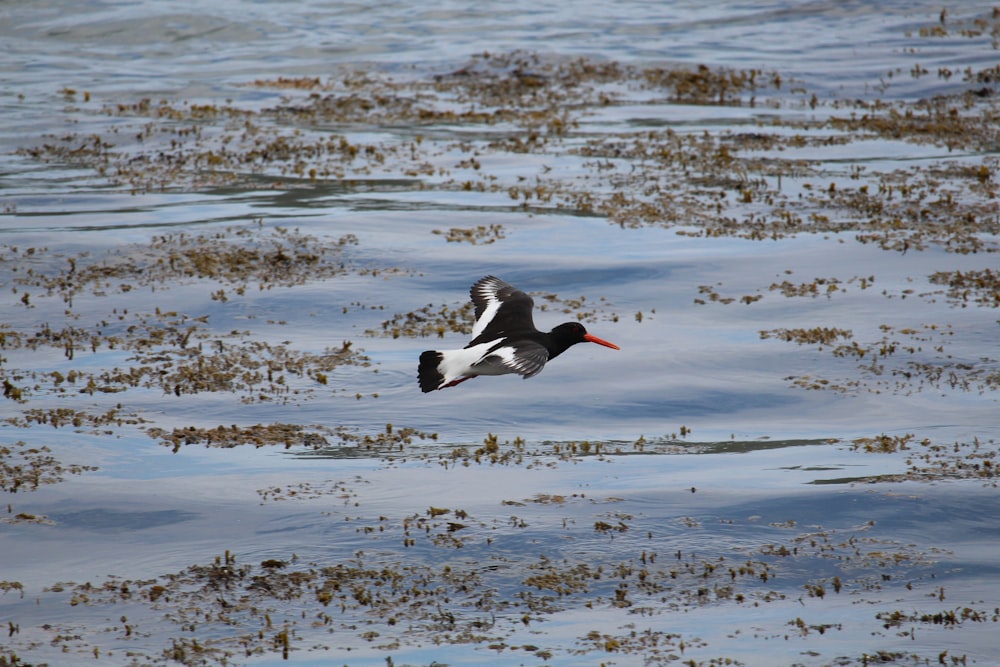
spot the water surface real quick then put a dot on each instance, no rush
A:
(228, 232)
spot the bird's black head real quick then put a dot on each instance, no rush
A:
(571, 333)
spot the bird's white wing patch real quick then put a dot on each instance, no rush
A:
(458, 363)
(492, 306)
(527, 359)
(501, 308)
(487, 301)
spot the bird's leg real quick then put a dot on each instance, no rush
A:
(458, 381)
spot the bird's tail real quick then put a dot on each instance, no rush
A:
(429, 373)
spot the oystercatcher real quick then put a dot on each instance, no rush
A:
(504, 340)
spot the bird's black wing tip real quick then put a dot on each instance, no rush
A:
(428, 375)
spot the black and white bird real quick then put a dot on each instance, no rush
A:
(504, 340)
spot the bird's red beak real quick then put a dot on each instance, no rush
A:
(600, 341)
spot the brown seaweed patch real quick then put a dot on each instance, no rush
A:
(903, 360)
(391, 439)
(656, 646)
(811, 336)
(62, 417)
(480, 235)
(982, 287)
(729, 191)
(203, 145)
(340, 489)
(949, 205)
(819, 286)
(427, 321)
(969, 27)
(185, 360)
(26, 518)
(939, 121)
(578, 307)
(7, 586)
(296, 83)
(947, 617)
(250, 613)
(238, 257)
(255, 368)
(928, 460)
(816, 287)
(716, 297)
(884, 443)
(704, 85)
(257, 435)
(25, 468)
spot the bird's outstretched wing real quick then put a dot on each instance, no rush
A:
(527, 359)
(500, 308)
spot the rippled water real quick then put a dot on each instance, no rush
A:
(702, 495)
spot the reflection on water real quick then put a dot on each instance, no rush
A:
(112, 521)
(220, 271)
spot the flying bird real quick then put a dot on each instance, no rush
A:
(504, 340)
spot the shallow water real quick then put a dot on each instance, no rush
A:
(711, 492)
